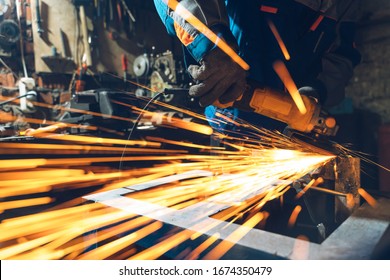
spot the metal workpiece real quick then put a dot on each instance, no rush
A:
(330, 193)
(342, 175)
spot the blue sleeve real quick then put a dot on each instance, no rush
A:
(210, 12)
(202, 45)
(163, 12)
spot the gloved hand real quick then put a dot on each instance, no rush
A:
(315, 89)
(219, 78)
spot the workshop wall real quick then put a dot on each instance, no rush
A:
(111, 34)
(370, 87)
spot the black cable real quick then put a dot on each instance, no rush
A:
(135, 124)
(20, 96)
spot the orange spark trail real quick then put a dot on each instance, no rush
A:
(165, 105)
(241, 178)
(202, 247)
(55, 123)
(24, 203)
(97, 140)
(159, 249)
(370, 200)
(313, 182)
(132, 82)
(27, 148)
(222, 248)
(75, 110)
(184, 144)
(57, 232)
(109, 249)
(294, 216)
(173, 121)
(288, 82)
(279, 40)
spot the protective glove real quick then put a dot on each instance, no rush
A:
(315, 89)
(219, 78)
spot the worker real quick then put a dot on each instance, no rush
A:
(318, 35)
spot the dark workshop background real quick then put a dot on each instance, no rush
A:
(111, 34)
(59, 50)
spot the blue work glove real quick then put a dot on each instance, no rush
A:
(218, 78)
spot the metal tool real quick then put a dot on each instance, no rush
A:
(280, 106)
(84, 29)
(141, 65)
(9, 34)
(38, 21)
(80, 82)
(124, 67)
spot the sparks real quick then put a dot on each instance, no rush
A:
(278, 38)
(253, 167)
(288, 82)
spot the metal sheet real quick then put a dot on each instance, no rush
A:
(356, 238)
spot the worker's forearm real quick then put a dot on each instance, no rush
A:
(209, 12)
(212, 13)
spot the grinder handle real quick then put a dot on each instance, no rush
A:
(276, 105)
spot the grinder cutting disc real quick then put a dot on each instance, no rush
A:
(315, 143)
